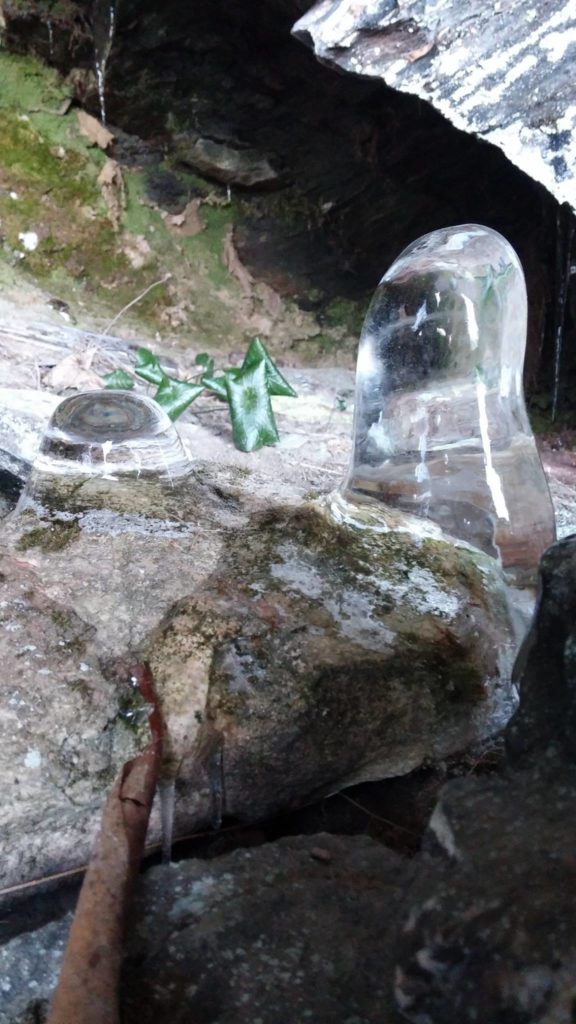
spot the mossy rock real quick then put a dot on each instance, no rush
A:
(331, 655)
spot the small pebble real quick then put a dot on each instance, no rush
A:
(319, 853)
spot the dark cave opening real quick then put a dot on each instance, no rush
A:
(361, 170)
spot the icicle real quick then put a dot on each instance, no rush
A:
(50, 39)
(564, 238)
(167, 792)
(104, 22)
(215, 773)
(209, 756)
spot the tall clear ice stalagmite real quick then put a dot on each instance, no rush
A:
(441, 429)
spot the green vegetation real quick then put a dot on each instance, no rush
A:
(49, 186)
(100, 247)
(49, 538)
(247, 391)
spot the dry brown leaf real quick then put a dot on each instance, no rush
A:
(94, 131)
(74, 372)
(421, 51)
(189, 222)
(234, 265)
(113, 192)
(137, 251)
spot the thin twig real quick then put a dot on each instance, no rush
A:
(209, 409)
(378, 817)
(138, 298)
(79, 871)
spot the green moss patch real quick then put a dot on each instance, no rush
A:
(49, 538)
(49, 187)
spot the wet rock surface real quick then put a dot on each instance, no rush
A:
(310, 632)
(301, 927)
(299, 655)
(489, 920)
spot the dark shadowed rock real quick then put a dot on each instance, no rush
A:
(490, 922)
(544, 727)
(221, 161)
(297, 930)
(502, 71)
(490, 932)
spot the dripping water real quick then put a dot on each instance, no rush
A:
(214, 767)
(564, 238)
(209, 756)
(104, 26)
(50, 28)
(167, 793)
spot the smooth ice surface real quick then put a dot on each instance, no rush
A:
(106, 433)
(441, 429)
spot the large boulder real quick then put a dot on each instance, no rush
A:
(293, 655)
(330, 656)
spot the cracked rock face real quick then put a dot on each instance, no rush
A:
(501, 71)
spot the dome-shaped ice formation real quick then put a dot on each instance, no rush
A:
(98, 450)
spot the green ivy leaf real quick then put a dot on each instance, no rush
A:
(253, 423)
(119, 379)
(203, 359)
(276, 383)
(148, 367)
(215, 384)
(176, 395)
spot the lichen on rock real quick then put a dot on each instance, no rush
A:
(334, 655)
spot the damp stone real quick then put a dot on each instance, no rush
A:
(441, 429)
